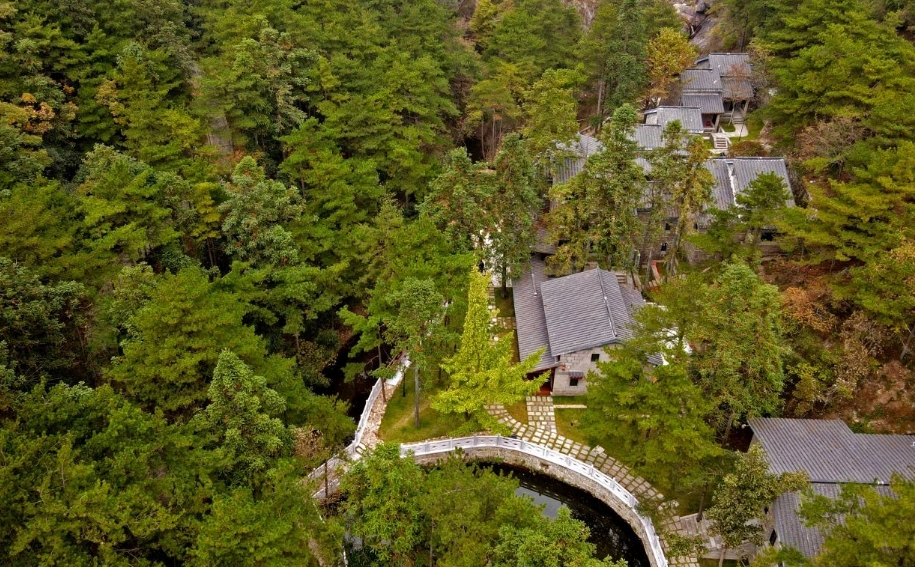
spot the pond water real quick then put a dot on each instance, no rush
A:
(609, 533)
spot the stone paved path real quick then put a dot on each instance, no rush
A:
(540, 413)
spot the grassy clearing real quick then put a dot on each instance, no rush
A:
(397, 425)
(518, 410)
(506, 305)
(568, 424)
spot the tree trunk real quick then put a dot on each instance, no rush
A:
(384, 395)
(702, 503)
(504, 284)
(326, 481)
(727, 427)
(600, 102)
(416, 394)
(721, 557)
(905, 345)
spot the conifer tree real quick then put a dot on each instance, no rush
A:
(242, 415)
(482, 372)
(647, 414)
(596, 216)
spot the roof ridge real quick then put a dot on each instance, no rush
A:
(749, 158)
(603, 292)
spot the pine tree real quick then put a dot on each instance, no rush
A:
(515, 208)
(175, 340)
(242, 415)
(596, 215)
(647, 414)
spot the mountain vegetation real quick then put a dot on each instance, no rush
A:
(207, 206)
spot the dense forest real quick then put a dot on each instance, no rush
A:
(203, 203)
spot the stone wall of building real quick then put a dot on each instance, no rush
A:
(581, 361)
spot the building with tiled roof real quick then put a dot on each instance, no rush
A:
(720, 85)
(575, 318)
(831, 455)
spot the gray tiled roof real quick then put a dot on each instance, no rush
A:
(644, 164)
(829, 452)
(583, 147)
(736, 88)
(708, 103)
(727, 64)
(529, 316)
(734, 71)
(702, 80)
(790, 527)
(690, 117)
(734, 175)
(648, 136)
(586, 310)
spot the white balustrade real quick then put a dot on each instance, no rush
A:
(571, 463)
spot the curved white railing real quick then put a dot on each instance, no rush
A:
(351, 450)
(539, 451)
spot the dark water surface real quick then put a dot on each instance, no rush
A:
(610, 533)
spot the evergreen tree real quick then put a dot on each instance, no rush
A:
(535, 35)
(481, 371)
(683, 182)
(42, 326)
(255, 213)
(611, 181)
(174, 343)
(613, 52)
(563, 541)
(515, 208)
(242, 415)
(742, 496)
(143, 100)
(864, 526)
(418, 309)
(550, 116)
(382, 497)
(647, 414)
(739, 348)
(760, 205)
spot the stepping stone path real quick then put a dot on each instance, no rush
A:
(540, 413)
(541, 429)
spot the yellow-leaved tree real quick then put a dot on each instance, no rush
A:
(481, 371)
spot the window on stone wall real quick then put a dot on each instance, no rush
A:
(595, 356)
(773, 537)
(573, 382)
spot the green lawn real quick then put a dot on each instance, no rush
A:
(568, 423)
(518, 410)
(506, 305)
(397, 425)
